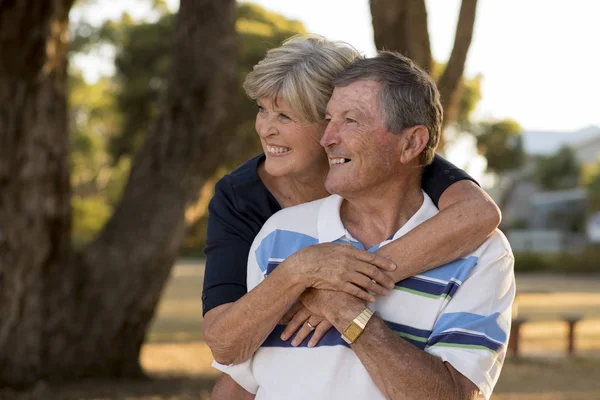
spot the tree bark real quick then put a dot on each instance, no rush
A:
(66, 316)
(451, 80)
(401, 25)
(34, 180)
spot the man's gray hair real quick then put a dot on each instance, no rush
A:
(408, 96)
(301, 71)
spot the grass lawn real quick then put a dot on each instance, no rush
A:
(176, 355)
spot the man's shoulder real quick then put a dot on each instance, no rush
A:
(496, 245)
(297, 218)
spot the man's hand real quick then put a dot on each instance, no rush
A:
(323, 302)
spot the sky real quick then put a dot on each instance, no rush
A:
(539, 58)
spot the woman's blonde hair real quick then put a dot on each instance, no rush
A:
(301, 71)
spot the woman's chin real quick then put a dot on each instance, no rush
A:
(277, 168)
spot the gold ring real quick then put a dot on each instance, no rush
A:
(312, 328)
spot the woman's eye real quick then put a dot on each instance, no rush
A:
(260, 109)
(283, 116)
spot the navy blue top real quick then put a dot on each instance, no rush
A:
(242, 204)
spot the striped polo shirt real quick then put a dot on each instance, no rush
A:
(459, 312)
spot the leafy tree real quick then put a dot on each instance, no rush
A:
(142, 62)
(502, 145)
(66, 314)
(558, 171)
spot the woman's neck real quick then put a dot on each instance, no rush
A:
(291, 191)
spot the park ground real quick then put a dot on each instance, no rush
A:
(179, 361)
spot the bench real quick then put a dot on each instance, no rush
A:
(515, 331)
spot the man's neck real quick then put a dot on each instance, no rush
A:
(375, 217)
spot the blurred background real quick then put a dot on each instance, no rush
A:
(83, 248)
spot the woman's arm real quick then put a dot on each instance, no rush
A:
(467, 217)
(235, 331)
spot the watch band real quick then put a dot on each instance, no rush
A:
(357, 326)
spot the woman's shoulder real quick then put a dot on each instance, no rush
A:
(243, 193)
(241, 179)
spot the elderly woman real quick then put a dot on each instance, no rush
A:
(291, 87)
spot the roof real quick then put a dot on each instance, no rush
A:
(546, 143)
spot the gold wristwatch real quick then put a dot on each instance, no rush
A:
(357, 326)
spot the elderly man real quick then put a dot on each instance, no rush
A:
(439, 335)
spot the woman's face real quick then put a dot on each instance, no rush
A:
(292, 147)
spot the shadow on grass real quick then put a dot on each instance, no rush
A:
(161, 387)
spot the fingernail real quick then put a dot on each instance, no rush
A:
(311, 344)
(393, 267)
(294, 343)
(284, 337)
(371, 299)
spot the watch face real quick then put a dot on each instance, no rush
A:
(351, 333)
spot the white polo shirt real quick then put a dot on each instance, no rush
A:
(459, 312)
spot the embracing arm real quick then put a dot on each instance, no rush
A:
(466, 219)
(464, 351)
(387, 357)
(235, 331)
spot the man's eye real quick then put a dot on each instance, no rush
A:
(350, 120)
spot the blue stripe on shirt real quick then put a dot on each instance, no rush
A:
(281, 244)
(484, 324)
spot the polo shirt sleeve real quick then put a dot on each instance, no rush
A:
(439, 176)
(472, 332)
(228, 243)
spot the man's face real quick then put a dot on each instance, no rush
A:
(363, 154)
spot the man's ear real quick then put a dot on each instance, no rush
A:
(415, 141)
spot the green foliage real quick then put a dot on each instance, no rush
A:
(96, 183)
(558, 171)
(469, 91)
(471, 94)
(590, 177)
(89, 216)
(502, 144)
(112, 117)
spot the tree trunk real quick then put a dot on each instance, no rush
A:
(451, 80)
(401, 25)
(97, 305)
(34, 180)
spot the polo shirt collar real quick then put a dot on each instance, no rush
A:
(329, 225)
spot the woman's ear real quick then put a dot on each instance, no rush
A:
(415, 141)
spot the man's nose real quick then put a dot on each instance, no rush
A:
(331, 135)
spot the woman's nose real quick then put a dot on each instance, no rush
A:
(266, 127)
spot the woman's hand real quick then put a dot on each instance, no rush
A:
(342, 267)
(302, 322)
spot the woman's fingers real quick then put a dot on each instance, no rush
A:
(319, 332)
(357, 292)
(374, 259)
(309, 326)
(367, 283)
(295, 323)
(373, 272)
